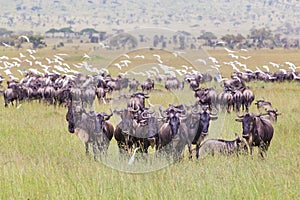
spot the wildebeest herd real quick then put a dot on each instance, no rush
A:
(169, 130)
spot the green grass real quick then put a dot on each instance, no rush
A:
(39, 159)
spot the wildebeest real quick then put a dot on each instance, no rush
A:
(226, 100)
(11, 94)
(257, 131)
(262, 104)
(173, 83)
(87, 127)
(107, 129)
(101, 94)
(271, 115)
(168, 132)
(133, 85)
(202, 130)
(147, 85)
(146, 131)
(223, 147)
(248, 98)
(238, 99)
(124, 130)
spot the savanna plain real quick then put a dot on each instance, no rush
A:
(40, 159)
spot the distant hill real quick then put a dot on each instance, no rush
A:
(196, 16)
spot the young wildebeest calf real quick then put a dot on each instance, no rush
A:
(218, 146)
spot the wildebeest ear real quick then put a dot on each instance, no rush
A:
(239, 120)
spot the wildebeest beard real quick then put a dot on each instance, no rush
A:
(202, 127)
(174, 124)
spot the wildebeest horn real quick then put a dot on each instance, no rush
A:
(195, 111)
(240, 116)
(145, 114)
(107, 116)
(162, 112)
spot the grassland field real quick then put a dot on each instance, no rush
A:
(39, 159)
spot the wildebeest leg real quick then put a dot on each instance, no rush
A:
(86, 148)
(190, 151)
(197, 151)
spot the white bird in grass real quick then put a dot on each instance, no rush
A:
(178, 53)
(131, 160)
(270, 77)
(58, 58)
(274, 64)
(28, 61)
(185, 67)
(292, 65)
(4, 58)
(31, 51)
(6, 45)
(139, 56)
(126, 55)
(228, 50)
(266, 67)
(32, 56)
(16, 59)
(118, 65)
(104, 70)
(245, 57)
(25, 37)
(233, 56)
(214, 60)
(201, 60)
(295, 76)
(7, 72)
(79, 65)
(259, 70)
(214, 67)
(13, 78)
(125, 62)
(22, 55)
(158, 58)
(123, 74)
(86, 56)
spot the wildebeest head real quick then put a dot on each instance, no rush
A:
(174, 122)
(204, 121)
(127, 123)
(247, 123)
(102, 118)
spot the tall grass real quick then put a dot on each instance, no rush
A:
(41, 160)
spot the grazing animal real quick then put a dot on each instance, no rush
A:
(257, 132)
(87, 128)
(223, 147)
(248, 98)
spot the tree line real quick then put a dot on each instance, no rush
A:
(257, 38)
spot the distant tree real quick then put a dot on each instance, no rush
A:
(258, 36)
(88, 31)
(37, 41)
(208, 37)
(52, 31)
(66, 31)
